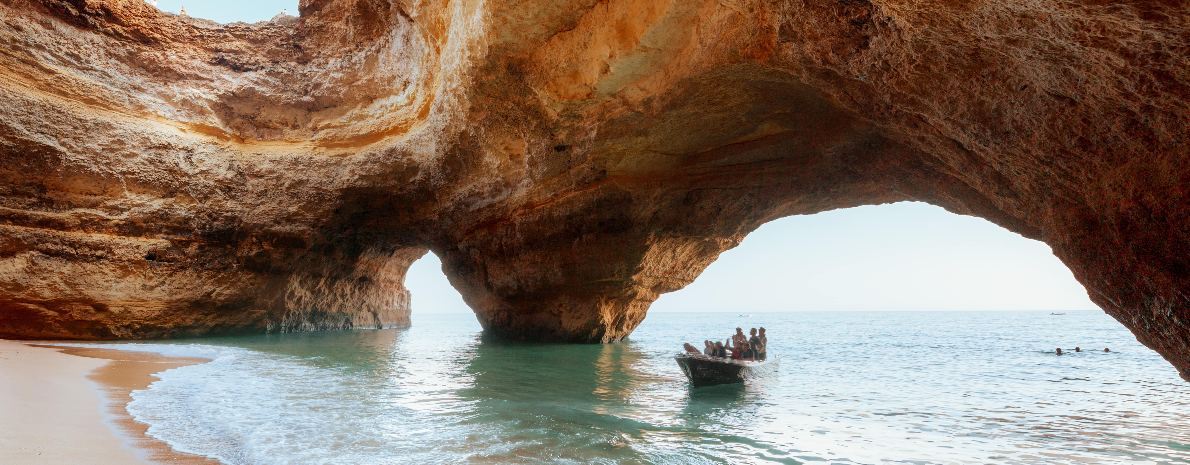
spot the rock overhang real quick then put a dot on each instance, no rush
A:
(570, 161)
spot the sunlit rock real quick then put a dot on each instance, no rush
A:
(569, 161)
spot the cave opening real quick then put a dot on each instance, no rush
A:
(892, 257)
(430, 291)
(229, 11)
(907, 256)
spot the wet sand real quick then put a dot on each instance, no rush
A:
(67, 405)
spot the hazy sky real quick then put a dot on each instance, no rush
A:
(905, 256)
(229, 11)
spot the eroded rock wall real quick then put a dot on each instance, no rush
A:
(570, 161)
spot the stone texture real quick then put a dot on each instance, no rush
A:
(569, 160)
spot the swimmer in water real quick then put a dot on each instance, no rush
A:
(1059, 351)
(1105, 350)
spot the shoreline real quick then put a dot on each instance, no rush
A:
(61, 404)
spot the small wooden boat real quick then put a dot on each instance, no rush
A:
(709, 371)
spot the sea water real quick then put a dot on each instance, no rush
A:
(889, 387)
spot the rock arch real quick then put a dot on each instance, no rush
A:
(569, 161)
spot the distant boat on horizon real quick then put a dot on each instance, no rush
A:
(1063, 313)
(749, 315)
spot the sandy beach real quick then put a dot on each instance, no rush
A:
(66, 405)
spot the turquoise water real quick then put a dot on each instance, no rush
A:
(893, 387)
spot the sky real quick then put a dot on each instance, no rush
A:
(904, 256)
(230, 11)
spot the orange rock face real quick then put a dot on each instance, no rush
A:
(569, 160)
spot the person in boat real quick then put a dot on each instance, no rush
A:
(754, 345)
(691, 349)
(720, 351)
(764, 345)
(733, 351)
(739, 351)
(739, 337)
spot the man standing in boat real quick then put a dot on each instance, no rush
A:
(754, 345)
(739, 337)
(763, 346)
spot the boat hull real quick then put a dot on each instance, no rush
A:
(703, 371)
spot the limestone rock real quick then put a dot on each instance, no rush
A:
(570, 160)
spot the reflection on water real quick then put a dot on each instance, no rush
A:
(707, 404)
(348, 350)
(532, 373)
(854, 388)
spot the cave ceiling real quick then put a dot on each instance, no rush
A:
(569, 161)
